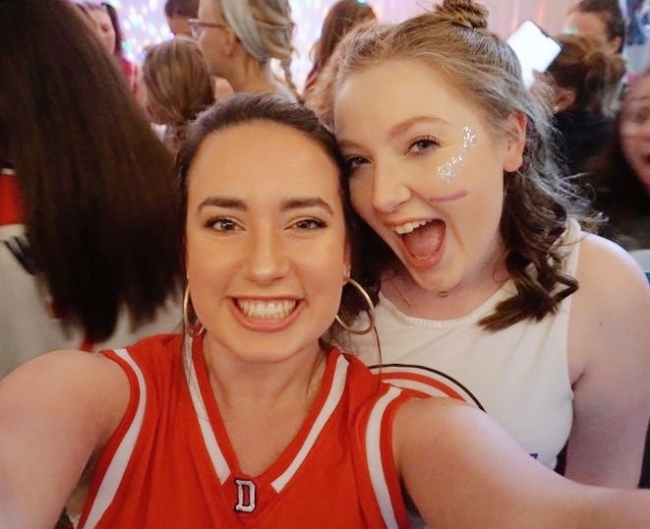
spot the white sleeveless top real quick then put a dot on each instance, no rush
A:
(519, 375)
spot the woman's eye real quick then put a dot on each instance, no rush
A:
(637, 114)
(222, 224)
(422, 145)
(353, 162)
(310, 224)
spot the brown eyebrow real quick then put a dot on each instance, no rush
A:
(403, 126)
(287, 205)
(397, 129)
(296, 203)
(223, 202)
(637, 100)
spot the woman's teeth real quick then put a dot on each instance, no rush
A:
(266, 309)
(408, 227)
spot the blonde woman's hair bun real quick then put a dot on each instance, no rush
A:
(464, 13)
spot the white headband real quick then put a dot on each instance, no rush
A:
(240, 19)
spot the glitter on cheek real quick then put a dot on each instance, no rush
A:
(449, 170)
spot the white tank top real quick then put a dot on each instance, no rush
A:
(518, 375)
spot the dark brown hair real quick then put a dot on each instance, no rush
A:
(585, 67)
(616, 188)
(182, 8)
(118, 50)
(609, 11)
(454, 41)
(96, 183)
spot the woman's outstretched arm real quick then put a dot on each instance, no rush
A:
(56, 411)
(463, 471)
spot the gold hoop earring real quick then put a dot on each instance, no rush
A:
(370, 310)
(192, 330)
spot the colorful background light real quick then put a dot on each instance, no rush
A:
(143, 21)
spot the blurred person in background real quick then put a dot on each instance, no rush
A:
(602, 19)
(177, 86)
(86, 193)
(636, 49)
(239, 40)
(605, 20)
(178, 13)
(110, 32)
(343, 16)
(584, 79)
(621, 175)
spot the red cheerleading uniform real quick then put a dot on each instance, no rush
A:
(170, 464)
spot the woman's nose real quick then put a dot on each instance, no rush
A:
(389, 189)
(267, 259)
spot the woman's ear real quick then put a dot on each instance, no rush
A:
(564, 99)
(515, 141)
(614, 45)
(229, 43)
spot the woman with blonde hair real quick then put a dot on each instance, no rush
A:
(178, 86)
(240, 38)
(492, 286)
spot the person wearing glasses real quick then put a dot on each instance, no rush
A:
(240, 38)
